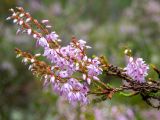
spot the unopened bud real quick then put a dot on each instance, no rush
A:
(128, 52)
(20, 8)
(15, 20)
(44, 21)
(37, 55)
(18, 55)
(48, 26)
(8, 18)
(20, 22)
(95, 78)
(149, 83)
(88, 47)
(28, 19)
(89, 60)
(89, 81)
(12, 10)
(52, 79)
(21, 15)
(32, 60)
(46, 76)
(35, 36)
(30, 67)
(29, 31)
(14, 14)
(18, 31)
(84, 76)
(25, 60)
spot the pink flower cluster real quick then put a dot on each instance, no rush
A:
(73, 90)
(72, 70)
(137, 69)
(67, 61)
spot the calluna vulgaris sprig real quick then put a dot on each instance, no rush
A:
(73, 74)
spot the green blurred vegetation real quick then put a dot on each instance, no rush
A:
(107, 25)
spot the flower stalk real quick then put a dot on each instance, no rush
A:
(74, 75)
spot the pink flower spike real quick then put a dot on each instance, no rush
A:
(12, 10)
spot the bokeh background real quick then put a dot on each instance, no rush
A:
(108, 26)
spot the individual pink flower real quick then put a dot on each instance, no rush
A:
(52, 36)
(42, 42)
(63, 74)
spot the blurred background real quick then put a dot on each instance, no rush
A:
(108, 26)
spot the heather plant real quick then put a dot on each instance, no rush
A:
(74, 75)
